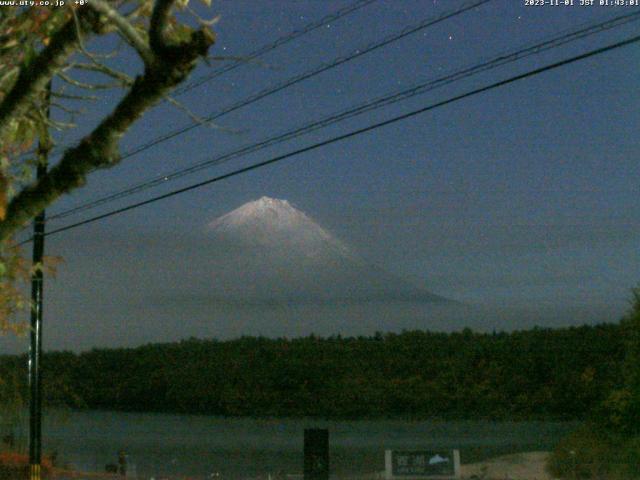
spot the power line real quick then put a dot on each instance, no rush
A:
(500, 60)
(352, 133)
(309, 74)
(277, 43)
(283, 40)
(304, 76)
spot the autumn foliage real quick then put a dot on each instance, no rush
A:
(14, 466)
(49, 71)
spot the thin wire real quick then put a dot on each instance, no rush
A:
(380, 102)
(307, 75)
(350, 134)
(304, 76)
(310, 27)
(277, 43)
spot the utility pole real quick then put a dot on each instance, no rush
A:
(37, 281)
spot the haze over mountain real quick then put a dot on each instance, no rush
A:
(264, 269)
(273, 252)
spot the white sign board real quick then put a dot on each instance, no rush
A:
(422, 464)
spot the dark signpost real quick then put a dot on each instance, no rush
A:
(35, 349)
(35, 345)
(316, 454)
(404, 464)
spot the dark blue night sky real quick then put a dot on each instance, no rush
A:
(521, 202)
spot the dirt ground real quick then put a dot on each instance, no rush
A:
(519, 466)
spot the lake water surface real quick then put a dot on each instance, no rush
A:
(198, 446)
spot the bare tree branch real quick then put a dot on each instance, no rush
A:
(193, 116)
(100, 149)
(201, 20)
(161, 46)
(70, 111)
(105, 70)
(67, 96)
(59, 125)
(125, 28)
(34, 77)
(87, 86)
(158, 24)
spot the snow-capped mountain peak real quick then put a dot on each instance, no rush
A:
(276, 224)
(268, 250)
(278, 213)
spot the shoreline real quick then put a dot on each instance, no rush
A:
(518, 466)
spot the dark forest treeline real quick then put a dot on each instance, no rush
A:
(539, 373)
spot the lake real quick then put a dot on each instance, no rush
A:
(198, 446)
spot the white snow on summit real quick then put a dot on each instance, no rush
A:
(273, 223)
(269, 251)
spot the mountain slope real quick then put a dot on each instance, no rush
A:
(269, 251)
(276, 225)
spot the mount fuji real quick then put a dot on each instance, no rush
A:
(268, 251)
(277, 227)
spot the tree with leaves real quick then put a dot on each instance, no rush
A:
(46, 64)
(608, 445)
(621, 411)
